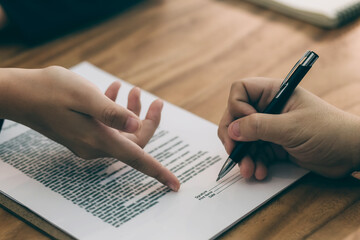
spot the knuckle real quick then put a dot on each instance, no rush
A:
(88, 147)
(136, 161)
(220, 134)
(109, 115)
(56, 68)
(142, 143)
(159, 174)
(83, 154)
(247, 80)
(235, 86)
(240, 83)
(53, 69)
(232, 107)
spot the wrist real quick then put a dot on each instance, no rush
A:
(5, 100)
(14, 95)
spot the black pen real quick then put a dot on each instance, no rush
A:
(287, 87)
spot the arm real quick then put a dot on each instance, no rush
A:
(73, 112)
(309, 131)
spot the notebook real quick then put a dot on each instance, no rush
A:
(106, 199)
(324, 13)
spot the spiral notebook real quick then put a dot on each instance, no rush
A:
(324, 13)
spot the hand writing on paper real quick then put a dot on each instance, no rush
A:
(309, 131)
(73, 112)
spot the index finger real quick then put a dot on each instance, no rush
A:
(130, 153)
(251, 95)
(101, 107)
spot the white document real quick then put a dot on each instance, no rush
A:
(105, 199)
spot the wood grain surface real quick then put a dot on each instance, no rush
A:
(188, 52)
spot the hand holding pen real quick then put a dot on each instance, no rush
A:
(279, 100)
(309, 131)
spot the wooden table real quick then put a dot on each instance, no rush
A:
(189, 52)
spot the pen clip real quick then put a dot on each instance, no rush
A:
(302, 60)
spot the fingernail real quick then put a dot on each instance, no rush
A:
(235, 129)
(131, 124)
(172, 186)
(162, 103)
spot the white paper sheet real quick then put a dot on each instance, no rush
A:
(105, 199)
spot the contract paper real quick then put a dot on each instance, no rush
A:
(106, 199)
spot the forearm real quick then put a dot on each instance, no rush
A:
(342, 132)
(15, 94)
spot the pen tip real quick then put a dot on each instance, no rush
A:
(218, 178)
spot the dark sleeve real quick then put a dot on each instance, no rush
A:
(37, 20)
(1, 123)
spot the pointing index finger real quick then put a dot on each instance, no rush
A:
(133, 155)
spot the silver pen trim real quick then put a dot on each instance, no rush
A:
(229, 164)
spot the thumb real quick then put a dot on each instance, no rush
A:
(116, 116)
(259, 126)
(108, 112)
